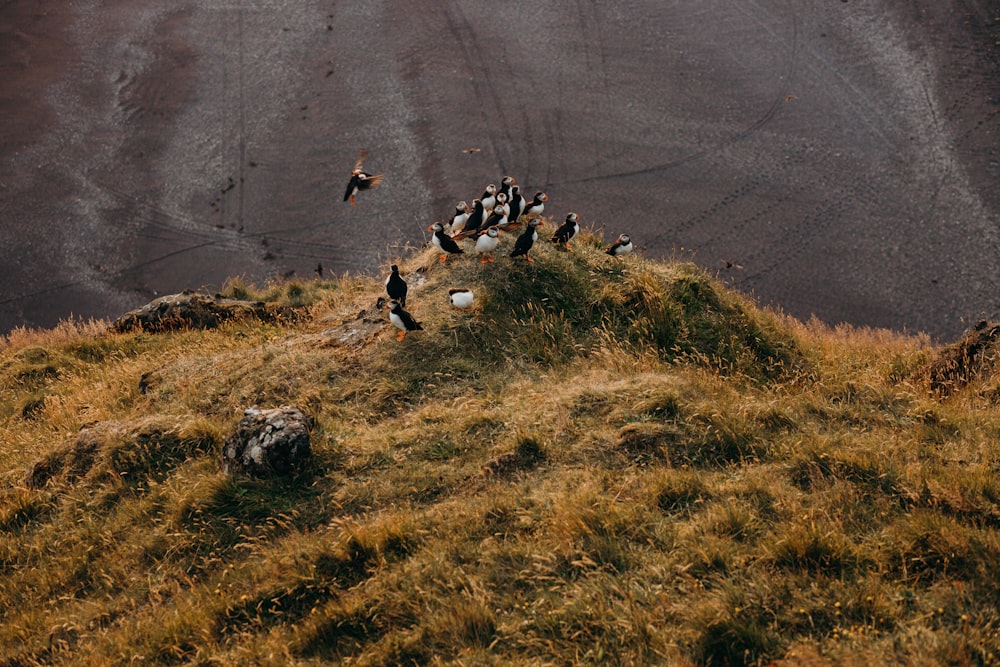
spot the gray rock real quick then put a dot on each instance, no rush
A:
(268, 442)
(190, 310)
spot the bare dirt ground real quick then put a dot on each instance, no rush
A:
(838, 159)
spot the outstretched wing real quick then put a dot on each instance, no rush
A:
(362, 154)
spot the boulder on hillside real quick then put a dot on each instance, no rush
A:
(191, 310)
(268, 442)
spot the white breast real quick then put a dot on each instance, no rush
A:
(462, 299)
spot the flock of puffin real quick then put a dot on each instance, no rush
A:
(496, 211)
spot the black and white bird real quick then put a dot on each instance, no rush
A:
(461, 298)
(506, 184)
(516, 203)
(501, 203)
(621, 246)
(567, 230)
(459, 218)
(396, 287)
(487, 243)
(474, 222)
(401, 319)
(527, 239)
(498, 218)
(445, 243)
(360, 179)
(534, 208)
(489, 197)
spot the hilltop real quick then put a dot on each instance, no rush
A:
(604, 461)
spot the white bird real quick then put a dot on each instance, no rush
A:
(621, 246)
(459, 218)
(534, 208)
(487, 243)
(489, 197)
(461, 298)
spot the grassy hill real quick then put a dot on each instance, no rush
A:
(606, 461)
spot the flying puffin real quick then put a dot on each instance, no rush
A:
(489, 197)
(487, 243)
(445, 243)
(516, 203)
(459, 218)
(621, 246)
(360, 180)
(395, 287)
(567, 230)
(401, 319)
(535, 207)
(461, 298)
(527, 239)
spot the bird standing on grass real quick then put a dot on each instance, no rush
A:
(534, 208)
(396, 287)
(461, 298)
(621, 246)
(516, 203)
(401, 319)
(487, 243)
(527, 239)
(567, 230)
(360, 180)
(459, 218)
(445, 243)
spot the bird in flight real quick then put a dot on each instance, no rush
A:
(360, 180)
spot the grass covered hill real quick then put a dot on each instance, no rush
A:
(604, 461)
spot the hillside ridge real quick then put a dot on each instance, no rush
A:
(605, 460)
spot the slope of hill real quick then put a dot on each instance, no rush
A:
(604, 461)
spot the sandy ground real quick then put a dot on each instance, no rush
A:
(843, 156)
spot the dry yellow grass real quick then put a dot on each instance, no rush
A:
(605, 461)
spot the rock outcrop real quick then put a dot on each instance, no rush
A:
(191, 310)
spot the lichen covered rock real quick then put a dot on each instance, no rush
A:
(268, 442)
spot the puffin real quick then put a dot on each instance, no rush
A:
(461, 298)
(535, 207)
(527, 239)
(621, 246)
(516, 203)
(567, 230)
(401, 319)
(498, 218)
(474, 222)
(360, 180)
(459, 218)
(489, 197)
(501, 202)
(506, 183)
(445, 243)
(395, 286)
(487, 243)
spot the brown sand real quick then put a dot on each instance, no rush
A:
(845, 155)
